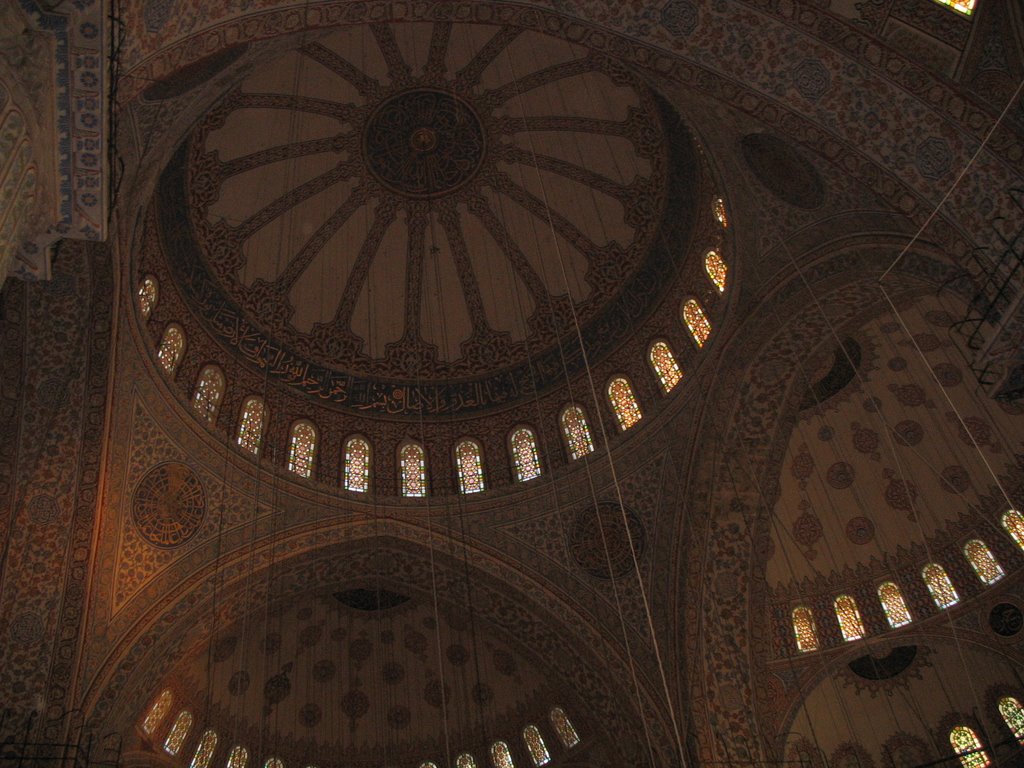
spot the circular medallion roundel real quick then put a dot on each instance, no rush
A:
(424, 142)
(587, 544)
(169, 505)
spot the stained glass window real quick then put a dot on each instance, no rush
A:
(158, 711)
(535, 745)
(1013, 714)
(428, 764)
(714, 265)
(804, 630)
(719, 208)
(966, 7)
(1013, 522)
(465, 760)
(147, 296)
(564, 728)
(273, 762)
(238, 757)
(357, 465)
(204, 752)
(966, 744)
(209, 391)
(250, 426)
(524, 454)
(414, 470)
(939, 585)
(178, 733)
(470, 465)
(664, 364)
(501, 756)
(624, 403)
(983, 561)
(895, 607)
(172, 347)
(576, 432)
(697, 322)
(302, 448)
(850, 623)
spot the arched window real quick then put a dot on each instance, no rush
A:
(624, 403)
(470, 465)
(414, 470)
(535, 746)
(238, 757)
(158, 711)
(1013, 715)
(803, 629)
(178, 733)
(273, 762)
(172, 348)
(525, 457)
(697, 322)
(664, 364)
(850, 623)
(148, 294)
(718, 206)
(428, 764)
(983, 561)
(563, 727)
(576, 432)
(966, 7)
(302, 448)
(357, 465)
(715, 266)
(966, 744)
(209, 391)
(465, 760)
(251, 425)
(501, 756)
(1013, 522)
(204, 752)
(895, 607)
(943, 592)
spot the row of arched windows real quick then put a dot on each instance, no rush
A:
(968, 747)
(238, 756)
(303, 437)
(941, 589)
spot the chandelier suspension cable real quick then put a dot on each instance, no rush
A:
(611, 461)
(892, 450)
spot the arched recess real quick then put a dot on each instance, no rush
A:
(591, 667)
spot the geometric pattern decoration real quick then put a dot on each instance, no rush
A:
(178, 733)
(896, 611)
(967, 745)
(470, 466)
(850, 623)
(208, 394)
(564, 728)
(302, 448)
(983, 561)
(414, 470)
(148, 294)
(966, 7)
(172, 348)
(535, 746)
(620, 394)
(251, 425)
(1013, 522)
(697, 322)
(204, 752)
(606, 540)
(524, 454)
(665, 365)
(939, 585)
(238, 757)
(804, 630)
(1013, 716)
(576, 432)
(501, 756)
(465, 760)
(169, 505)
(715, 266)
(357, 465)
(157, 712)
(718, 208)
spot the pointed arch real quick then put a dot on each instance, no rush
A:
(983, 561)
(697, 322)
(148, 293)
(804, 631)
(525, 456)
(172, 348)
(274, 762)
(716, 269)
(302, 448)
(563, 727)
(967, 745)
(895, 607)
(356, 465)
(158, 711)
(209, 392)
(412, 462)
(1013, 522)
(848, 615)
(205, 750)
(1013, 715)
(939, 585)
(465, 760)
(535, 746)
(470, 465)
(251, 424)
(663, 361)
(178, 733)
(627, 409)
(501, 755)
(718, 208)
(576, 432)
(238, 757)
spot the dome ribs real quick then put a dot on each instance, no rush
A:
(366, 85)
(383, 216)
(450, 223)
(555, 72)
(285, 152)
(469, 75)
(601, 183)
(435, 67)
(399, 72)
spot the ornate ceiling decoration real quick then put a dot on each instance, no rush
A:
(414, 219)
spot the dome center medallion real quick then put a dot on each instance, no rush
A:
(424, 143)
